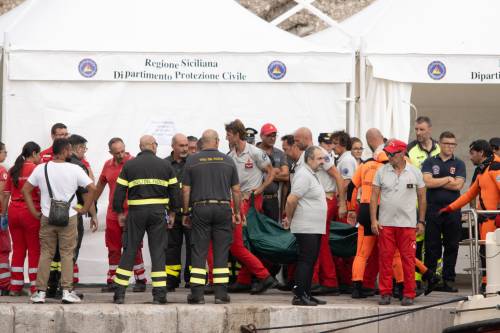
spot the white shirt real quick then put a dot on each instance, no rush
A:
(346, 164)
(251, 164)
(64, 180)
(310, 215)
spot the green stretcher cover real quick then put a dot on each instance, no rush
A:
(268, 240)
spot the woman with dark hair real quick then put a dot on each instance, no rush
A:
(357, 149)
(24, 228)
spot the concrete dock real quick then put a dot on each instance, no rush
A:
(97, 314)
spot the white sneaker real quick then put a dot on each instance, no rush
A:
(70, 297)
(38, 297)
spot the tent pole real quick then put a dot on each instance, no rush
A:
(351, 122)
(362, 93)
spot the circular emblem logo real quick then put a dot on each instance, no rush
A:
(452, 170)
(87, 67)
(327, 159)
(435, 169)
(345, 171)
(436, 70)
(276, 70)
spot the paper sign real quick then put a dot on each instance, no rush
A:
(162, 130)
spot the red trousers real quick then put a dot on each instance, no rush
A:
(324, 269)
(251, 265)
(113, 236)
(390, 240)
(4, 260)
(24, 230)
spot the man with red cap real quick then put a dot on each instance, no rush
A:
(270, 203)
(399, 185)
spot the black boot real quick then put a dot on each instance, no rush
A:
(140, 286)
(159, 295)
(303, 300)
(357, 290)
(119, 296)
(196, 296)
(221, 296)
(263, 285)
(432, 281)
(53, 284)
(397, 292)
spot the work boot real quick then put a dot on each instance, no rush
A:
(357, 290)
(119, 296)
(407, 301)
(397, 292)
(369, 292)
(447, 287)
(269, 282)
(196, 295)
(221, 296)
(324, 290)
(303, 300)
(345, 289)
(317, 300)
(285, 286)
(159, 295)
(385, 300)
(239, 288)
(139, 287)
(110, 288)
(53, 289)
(5, 292)
(432, 281)
(420, 289)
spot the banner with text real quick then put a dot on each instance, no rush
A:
(40, 66)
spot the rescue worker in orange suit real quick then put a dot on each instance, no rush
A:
(114, 231)
(486, 184)
(24, 228)
(330, 179)
(4, 232)
(495, 145)
(251, 163)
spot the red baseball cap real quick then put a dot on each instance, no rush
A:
(268, 129)
(395, 146)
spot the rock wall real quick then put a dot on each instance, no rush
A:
(302, 23)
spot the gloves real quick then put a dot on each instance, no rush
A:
(4, 222)
(445, 210)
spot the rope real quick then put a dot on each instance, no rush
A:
(251, 328)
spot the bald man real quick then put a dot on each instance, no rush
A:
(177, 233)
(150, 185)
(332, 183)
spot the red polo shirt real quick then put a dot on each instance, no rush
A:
(48, 155)
(110, 172)
(15, 192)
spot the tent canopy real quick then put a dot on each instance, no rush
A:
(117, 34)
(446, 41)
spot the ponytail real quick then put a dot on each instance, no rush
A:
(28, 149)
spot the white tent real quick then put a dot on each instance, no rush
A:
(431, 42)
(127, 67)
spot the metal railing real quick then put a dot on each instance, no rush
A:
(474, 244)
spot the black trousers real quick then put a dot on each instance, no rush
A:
(176, 236)
(271, 208)
(148, 219)
(210, 222)
(309, 245)
(442, 231)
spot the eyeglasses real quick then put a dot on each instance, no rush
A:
(392, 154)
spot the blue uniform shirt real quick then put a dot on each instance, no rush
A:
(453, 167)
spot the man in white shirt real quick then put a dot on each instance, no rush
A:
(330, 179)
(64, 179)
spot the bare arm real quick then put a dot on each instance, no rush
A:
(422, 207)
(88, 199)
(291, 205)
(431, 182)
(236, 193)
(186, 194)
(456, 184)
(99, 189)
(282, 174)
(269, 179)
(27, 189)
(373, 209)
(341, 190)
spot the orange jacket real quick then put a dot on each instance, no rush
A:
(486, 185)
(363, 177)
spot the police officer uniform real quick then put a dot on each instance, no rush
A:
(150, 184)
(210, 174)
(447, 225)
(251, 133)
(176, 235)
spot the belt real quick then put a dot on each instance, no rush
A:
(214, 202)
(270, 196)
(330, 195)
